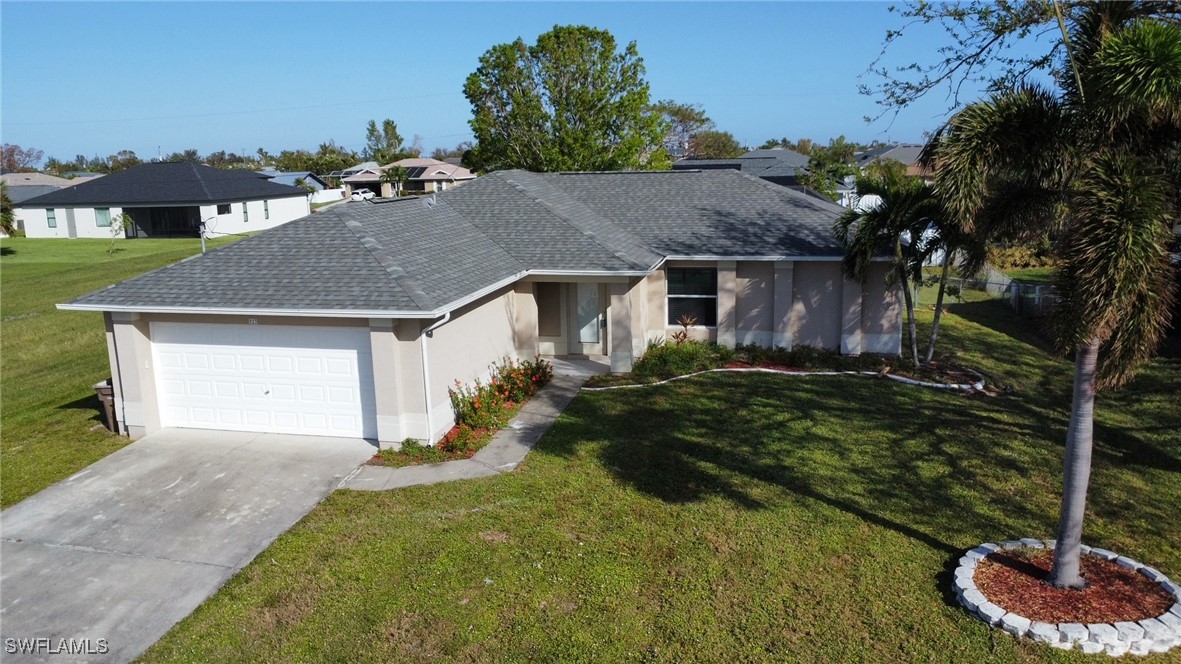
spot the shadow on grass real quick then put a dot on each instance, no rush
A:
(903, 459)
(90, 403)
(7, 251)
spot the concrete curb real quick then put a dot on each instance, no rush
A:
(502, 454)
(1158, 634)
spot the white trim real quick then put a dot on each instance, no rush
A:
(310, 313)
(589, 273)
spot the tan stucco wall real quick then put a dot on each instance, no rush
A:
(816, 309)
(881, 313)
(464, 348)
(755, 305)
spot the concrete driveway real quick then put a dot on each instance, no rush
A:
(130, 545)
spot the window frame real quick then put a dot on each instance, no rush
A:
(669, 296)
(224, 208)
(266, 209)
(51, 217)
(245, 212)
(98, 218)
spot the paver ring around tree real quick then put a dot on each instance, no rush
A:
(1153, 633)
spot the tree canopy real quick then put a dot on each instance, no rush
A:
(385, 144)
(569, 102)
(14, 158)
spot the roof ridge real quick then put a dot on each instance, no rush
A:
(778, 188)
(200, 180)
(386, 261)
(618, 252)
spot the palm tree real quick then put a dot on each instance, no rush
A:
(1098, 164)
(896, 220)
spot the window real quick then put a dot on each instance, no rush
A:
(223, 208)
(692, 291)
(102, 217)
(245, 213)
(266, 209)
(51, 217)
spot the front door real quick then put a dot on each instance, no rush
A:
(589, 320)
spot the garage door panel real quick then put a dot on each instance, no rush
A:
(284, 379)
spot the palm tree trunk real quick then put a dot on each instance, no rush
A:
(1076, 471)
(938, 306)
(906, 297)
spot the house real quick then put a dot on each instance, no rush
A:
(320, 191)
(423, 175)
(355, 322)
(23, 186)
(165, 200)
(904, 153)
(778, 165)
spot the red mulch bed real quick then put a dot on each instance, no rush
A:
(1014, 581)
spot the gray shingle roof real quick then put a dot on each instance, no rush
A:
(425, 255)
(168, 184)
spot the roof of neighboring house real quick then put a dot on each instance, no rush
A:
(767, 163)
(367, 175)
(290, 177)
(173, 183)
(31, 179)
(907, 153)
(424, 256)
(417, 168)
(20, 193)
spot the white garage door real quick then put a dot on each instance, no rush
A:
(266, 378)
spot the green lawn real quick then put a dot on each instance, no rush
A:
(50, 359)
(1032, 275)
(730, 517)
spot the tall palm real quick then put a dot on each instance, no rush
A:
(895, 221)
(1096, 163)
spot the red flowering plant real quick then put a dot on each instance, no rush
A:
(485, 405)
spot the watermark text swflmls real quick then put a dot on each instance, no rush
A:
(48, 646)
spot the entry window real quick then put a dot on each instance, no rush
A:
(102, 217)
(693, 291)
(266, 209)
(51, 217)
(245, 212)
(549, 309)
(223, 208)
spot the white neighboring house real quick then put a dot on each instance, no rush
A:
(165, 200)
(23, 186)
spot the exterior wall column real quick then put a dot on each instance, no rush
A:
(133, 352)
(850, 318)
(781, 321)
(116, 378)
(620, 331)
(386, 383)
(524, 315)
(727, 303)
(638, 293)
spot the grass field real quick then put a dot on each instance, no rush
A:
(50, 359)
(1032, 275)
(735, 518)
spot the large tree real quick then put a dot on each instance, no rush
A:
(1097, 160)
(681, 123)
(385, 144)
(828, 166)
(568, 102)
(714, 144)
(15, 159)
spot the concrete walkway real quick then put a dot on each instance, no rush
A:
(505, 451)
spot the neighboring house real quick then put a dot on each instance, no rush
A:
(165, 200)
(423, 175)
(778, 165)
(905, 153)
(355, 322)
(292, 178)
(321, 192)
(353, 170)
(24, 186)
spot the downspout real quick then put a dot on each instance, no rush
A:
(426, 373)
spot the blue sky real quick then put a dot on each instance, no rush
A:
(94, 78)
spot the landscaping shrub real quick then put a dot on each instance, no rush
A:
(1017, 257)
(664, 360)
(485, 405)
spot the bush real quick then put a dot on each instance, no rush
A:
(663, 360)
(485, 405)
(811, 358)
(1021, 256)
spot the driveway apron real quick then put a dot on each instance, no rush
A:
(111, 558)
